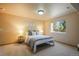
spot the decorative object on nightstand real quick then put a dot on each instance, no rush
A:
(21, 39)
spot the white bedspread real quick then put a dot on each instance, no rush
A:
(33, 39)
(39, 37)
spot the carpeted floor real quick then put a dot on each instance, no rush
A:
(58, 50)
(23, 50)
(15, 50)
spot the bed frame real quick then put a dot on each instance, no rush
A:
(48, 41)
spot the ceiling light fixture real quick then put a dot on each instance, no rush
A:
(40, 12)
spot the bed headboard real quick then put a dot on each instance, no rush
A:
(33, 32)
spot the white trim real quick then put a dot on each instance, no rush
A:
(57, 32)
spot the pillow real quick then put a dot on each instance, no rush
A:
(37, 33)
(34, 33)
(29, 32)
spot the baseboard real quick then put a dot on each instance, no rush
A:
(7, 43)
(66, 43)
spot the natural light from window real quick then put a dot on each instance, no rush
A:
(51, 25)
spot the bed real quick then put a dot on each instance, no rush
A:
(34, 40)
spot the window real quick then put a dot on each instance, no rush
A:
(51, 27)
(58, 26)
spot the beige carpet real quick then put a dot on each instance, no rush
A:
(45, 50)
(15, 50)
(58, 50)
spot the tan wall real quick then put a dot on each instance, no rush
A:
(71, 36)
(78, 21)
(10, 25)
(78, 26)
(47, 27)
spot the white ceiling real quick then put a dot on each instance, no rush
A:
(52, 10)
(61, 9)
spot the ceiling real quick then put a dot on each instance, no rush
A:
(29, 10)
(76, 5)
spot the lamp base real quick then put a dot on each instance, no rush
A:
(21, 39)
